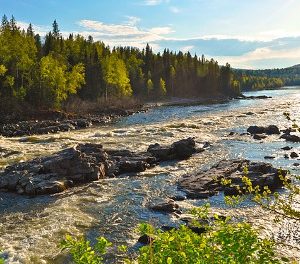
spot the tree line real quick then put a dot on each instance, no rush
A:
(269, 78)
(45, 71)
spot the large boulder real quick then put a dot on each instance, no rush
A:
(81, 164)
(208, 183)
(269, 130)
(166, 207)
(181, 149)
(291, 138)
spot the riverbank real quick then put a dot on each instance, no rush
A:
(40, 122)
(50, 122)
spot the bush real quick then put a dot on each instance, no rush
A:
(223, 242)
(82, 252)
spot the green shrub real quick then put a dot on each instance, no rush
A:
(223, 242)
(82, 252)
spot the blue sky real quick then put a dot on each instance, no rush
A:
(247, 34)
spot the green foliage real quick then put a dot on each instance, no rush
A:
(82, 252)
(44, 74)
(116, 76)
(58, 81)
(2, 261)
(162, 87)
(273, 77)
(149, 87)
(249, 82)
(223, 242)
(3, 70)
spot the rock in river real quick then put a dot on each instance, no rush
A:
(80, 164)
(291, 138)
(166, 207)
(269, 130)
(208, 183)
(182, 149)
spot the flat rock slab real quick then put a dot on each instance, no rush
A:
(84, 163)
(208, 183)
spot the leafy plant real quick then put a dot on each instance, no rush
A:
(82, 252)
(223, 242)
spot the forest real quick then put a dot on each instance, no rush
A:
(267, 79)
(44, 72)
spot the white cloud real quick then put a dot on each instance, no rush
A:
(132, 20)
(152, 2)
(126, 34)
(155, 2)
(41, 30)
(260, 54)
(174, 9)
(161, 30)
(187, 48)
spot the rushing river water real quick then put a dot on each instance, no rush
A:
(31, 228)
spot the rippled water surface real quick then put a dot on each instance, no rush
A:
(30, 228)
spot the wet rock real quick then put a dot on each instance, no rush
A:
(269, 130)
(296, 164)
(80, 164)
(259, 136)
(181, 149)
(252, 97)
(208, 183)
(294, 155)
(166, 207)
(145, 239)
(287, 148)
(256, 130)
(83, 123)
(178, 198)
(133, 166)
(269, 157)
(27, 128)
(168, 228)
(288, 130)
(272, 130)
(286, 156)
(197, 229)
(291, 138)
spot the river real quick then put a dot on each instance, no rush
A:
(31, 228)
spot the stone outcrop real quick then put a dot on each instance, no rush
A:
(166, 207)
(269, 130)
(182, 149)
(291, 138)
(208, 183)
(84, 163)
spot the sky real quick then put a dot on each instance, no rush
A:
(254, 34)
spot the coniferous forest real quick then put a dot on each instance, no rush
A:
(44, 72)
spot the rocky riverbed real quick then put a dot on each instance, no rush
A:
(85, 163)
(60, 122)
(32, 225)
